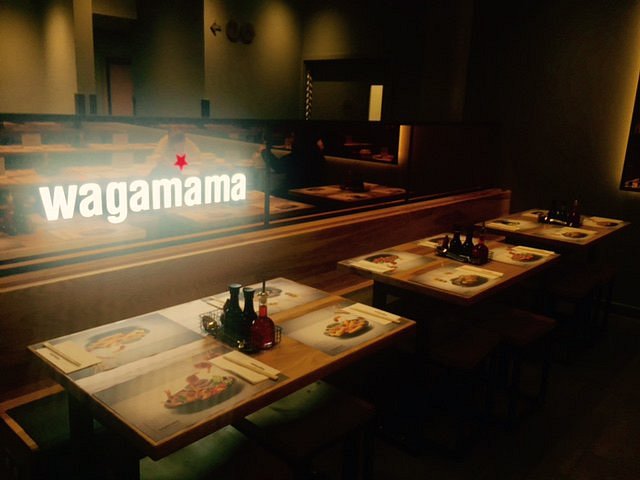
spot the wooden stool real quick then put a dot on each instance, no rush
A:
(467, 360)
(310, 421)
(586, 290)
(524, 336)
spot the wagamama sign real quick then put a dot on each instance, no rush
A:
(120, 198)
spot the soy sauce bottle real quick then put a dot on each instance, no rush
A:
(467, 246)
(249, 314)
(455, 245)
(573, 218)
(233, 317)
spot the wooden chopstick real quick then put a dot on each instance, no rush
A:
(61, 354)
(374, 314)
(253, 367)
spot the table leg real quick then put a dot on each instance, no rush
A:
(81, 437)
(379, 295)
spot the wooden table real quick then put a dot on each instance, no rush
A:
(335, 195)
(524, 227)
(126, 391)
(416, 268)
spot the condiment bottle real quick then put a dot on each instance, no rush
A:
(467, 246)
(444, 246)
(249, 314)
(574, 219)
(262, 329)
(480, 252)
(233, 316)
(455, 246)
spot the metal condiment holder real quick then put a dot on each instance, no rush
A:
(460, 257)
(211, 323)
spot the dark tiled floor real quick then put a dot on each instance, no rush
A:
(588, 429)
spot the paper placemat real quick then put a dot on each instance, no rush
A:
(601, 222)
(571, 233)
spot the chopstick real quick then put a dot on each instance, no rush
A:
(253, 367)
(61, 354)
(374, 314)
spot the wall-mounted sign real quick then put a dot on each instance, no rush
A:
(117, 199)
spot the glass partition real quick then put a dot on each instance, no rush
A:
(73, 187)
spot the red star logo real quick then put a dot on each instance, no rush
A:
(181, 161)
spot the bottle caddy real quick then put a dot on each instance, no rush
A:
(242, 328)
(467, 252)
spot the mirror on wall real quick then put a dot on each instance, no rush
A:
(631, 172)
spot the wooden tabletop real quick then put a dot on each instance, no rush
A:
(524, 227)
(128, 389)
(415, 267)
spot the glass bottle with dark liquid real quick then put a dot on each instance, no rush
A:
(455, 245)
(249, 314)
(573, 218)
(233, 316)
(480, 252)
(467, 246)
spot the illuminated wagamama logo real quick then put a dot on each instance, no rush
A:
(120, 198)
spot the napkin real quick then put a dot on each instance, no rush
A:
(503, 226)
(372, 267)
(480, 271)
(68, 356)
(378, 316)
(245, 367)
(539, 251)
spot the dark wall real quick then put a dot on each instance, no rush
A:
(560, 78)
(168, 65)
